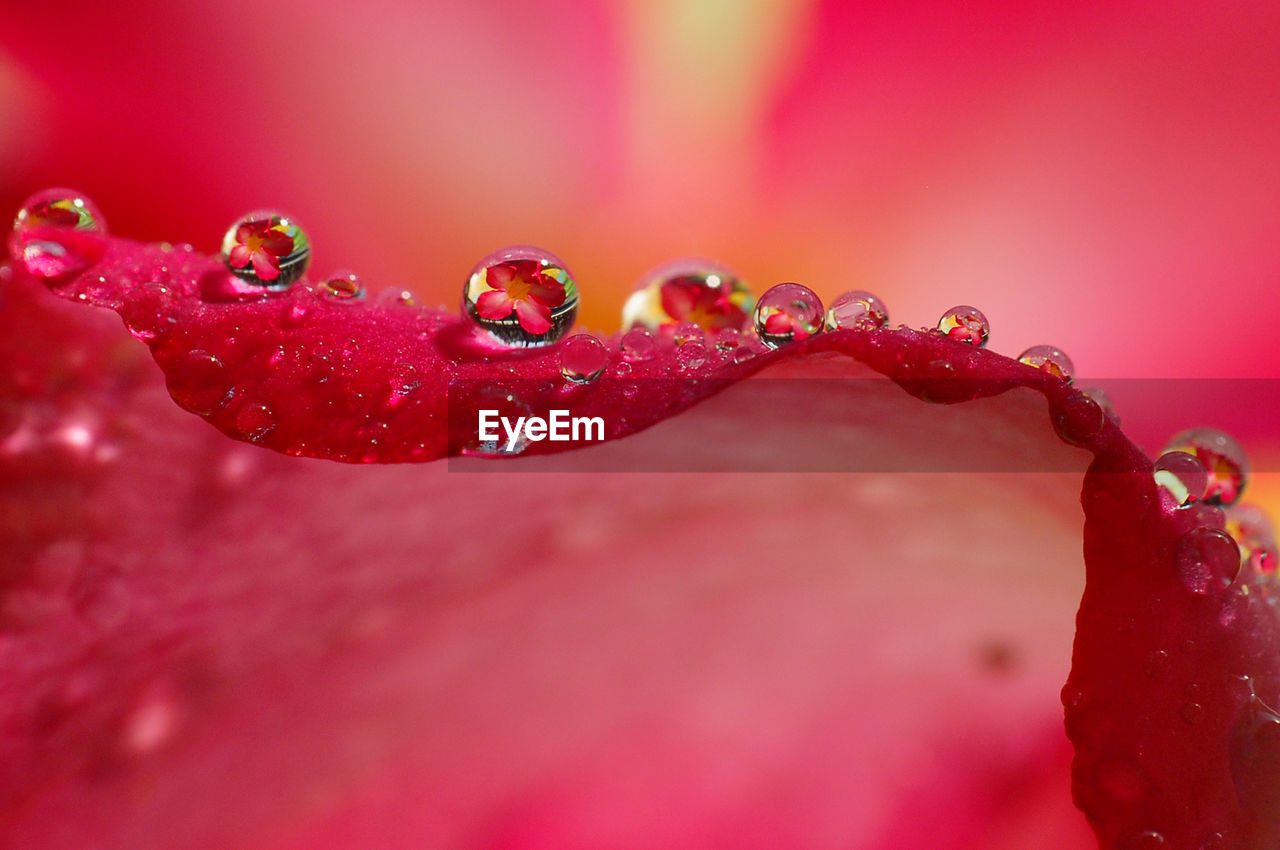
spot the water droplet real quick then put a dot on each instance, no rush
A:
(1146, 840)
(688, 332)
(639, 345)
(150, 312)
(1181, 477)
(695, 291)
(692, 355)
(343, 286)
(966, 324)
(1253, 530)
(58, 232)
(583, 358)
(857, 310)
(1222, 456)
(1207, 560)
(1157, 664)
(509, 406)
(397, 298)
(522, 296)
(266, 248)
(1191, 713)
(1255, 759)
(1078, 419)
(1213, 842)
(1046, 358)
(786, 313)
(199, 382)
(728, 340)
(743, 353)
(1104, 401)
(254, 421)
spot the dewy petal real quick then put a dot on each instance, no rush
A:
(1145, 646)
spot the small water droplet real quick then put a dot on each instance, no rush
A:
(397, 298)
(629, 391)
(743, 353)
(1104, 401)
(150, 312)
(343, 286)
(1252, 528)
(1191, 713)
(689, 291)
(786, 313)
(728, 340)
(199, 383)
(1157, 664)
(1213, 842)
(688, 332)
(583, 358)
(266, 248)
(522, 297)
(692, 355)
(1078, 419)
(254, 421)
(1207, 560)
(966, 324)
(57, 233)
(1181, 477)
(857, 310)
(1046, 358)
(1146, 840)
(509, 406)
(639, 345)
(1222, 456)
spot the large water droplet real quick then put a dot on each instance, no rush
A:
(857, 310)
(786, 313)
(639, 345)
(1078, 419)
(696, 291)
(1181, 477)
(583, 358)
(56, 233)
(1207, 560)
(522, 296)
(1252, 528)
(966, 324)
(343, 286)
(266, 249)
(1046, 358)
(1222, 456)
